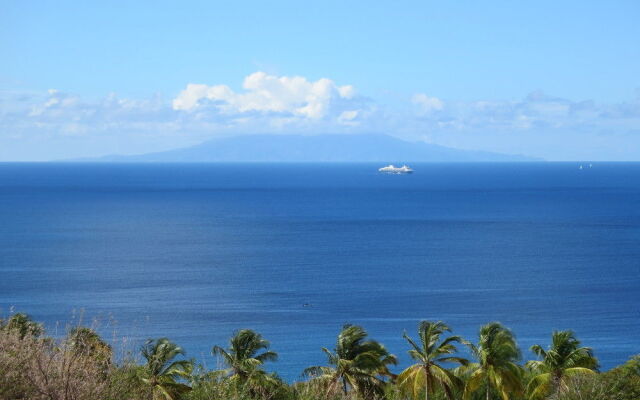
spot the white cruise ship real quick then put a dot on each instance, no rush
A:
(396, 170)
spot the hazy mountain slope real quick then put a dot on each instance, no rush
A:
(319, 148)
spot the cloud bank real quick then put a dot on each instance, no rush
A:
(267, 93)
(65, 125)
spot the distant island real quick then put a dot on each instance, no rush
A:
(316, 148)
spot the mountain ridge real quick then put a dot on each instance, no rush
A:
(314, 148)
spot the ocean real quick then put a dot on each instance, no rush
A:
(194, 252)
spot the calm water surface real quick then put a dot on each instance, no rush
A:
(194, 252)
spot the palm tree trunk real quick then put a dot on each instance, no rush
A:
(487, 386)
(556, 381)
(426, 384)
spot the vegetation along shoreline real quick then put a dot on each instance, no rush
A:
(82, 366)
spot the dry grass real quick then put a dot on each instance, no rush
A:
(41, 368)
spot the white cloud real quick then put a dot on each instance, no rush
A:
(267, 93)
(536, 111)
(538, 125)
(427, 104)
(273, 104)
(113, 124)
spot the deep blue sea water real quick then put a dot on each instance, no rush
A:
(194, 252)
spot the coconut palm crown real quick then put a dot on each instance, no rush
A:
(356, 363)
(431, 352)
(244, 357)
(562, 360)
(497, 354)
(162, 372)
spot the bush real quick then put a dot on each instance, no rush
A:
(40, 368)
(623, 383)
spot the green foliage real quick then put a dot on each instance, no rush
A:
(432, 353)
(124, 383)
(496, 370)
(86, 341)
(244, 358)
(355, 364)
(162, 372)
(562, 360)
(80, 367)
(23, 325)
(623, 382)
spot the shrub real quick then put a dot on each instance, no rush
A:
(39, 368)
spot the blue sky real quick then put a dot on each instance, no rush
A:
(559, 80)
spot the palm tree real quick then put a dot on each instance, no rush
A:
(356, 363)
(161, 372)
(23, 325)
(244, 359)
(429, 373)
(563, 359)
(86, 341)
(497, 354)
